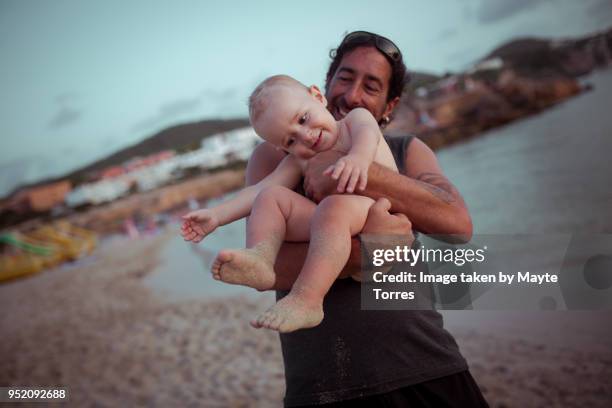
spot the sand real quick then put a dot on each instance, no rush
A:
(97, 328)
(515, 371)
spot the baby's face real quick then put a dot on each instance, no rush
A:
(296, 120)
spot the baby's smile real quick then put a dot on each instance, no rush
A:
(316, 143)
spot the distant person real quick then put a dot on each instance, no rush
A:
(355, 357)
(293, 118)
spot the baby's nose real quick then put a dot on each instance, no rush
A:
(307, 137)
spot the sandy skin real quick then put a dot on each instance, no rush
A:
(244, 267)
(289, 314)
(249, 267)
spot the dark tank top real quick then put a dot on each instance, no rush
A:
(356, 352)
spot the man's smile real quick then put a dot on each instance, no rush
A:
(342, 112)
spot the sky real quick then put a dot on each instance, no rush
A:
(82, 79)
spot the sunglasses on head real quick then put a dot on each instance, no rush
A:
(383, 44)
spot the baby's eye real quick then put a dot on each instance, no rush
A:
(302, 120)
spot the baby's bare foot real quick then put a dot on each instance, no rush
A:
(289, 314)
(243, 267)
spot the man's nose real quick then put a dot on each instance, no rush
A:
(353, 96)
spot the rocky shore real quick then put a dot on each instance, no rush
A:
(467, 105)
(520, 78)
(147, 206)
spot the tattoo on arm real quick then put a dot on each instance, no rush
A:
(437, 185)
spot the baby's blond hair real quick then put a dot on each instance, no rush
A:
(258, 99)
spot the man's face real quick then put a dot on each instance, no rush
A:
(361, 80)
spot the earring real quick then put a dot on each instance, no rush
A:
(384, 121)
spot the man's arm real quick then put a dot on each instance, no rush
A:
(424, 195)
(291, 257)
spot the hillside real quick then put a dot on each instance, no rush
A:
(180, 137)
(536, 57)
(418, 79)
(529, 57)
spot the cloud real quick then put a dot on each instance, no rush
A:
(24, 170)
(64, 117)
(217, 94)
(166, 111)
(491, 11)
(67, 113)
(221, 103)
(9, 5)
(11, 174)
(464, 58)
(600, 9)
(468, 11)
(66, 98)
(177, 107)
(226, 102)
(446, 34)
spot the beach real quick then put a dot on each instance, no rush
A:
(140, 322)
(99, 329)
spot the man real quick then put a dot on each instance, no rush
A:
(357, 357)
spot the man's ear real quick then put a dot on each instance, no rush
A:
(391, 106)
(317, 94)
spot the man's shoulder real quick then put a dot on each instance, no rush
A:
(399, 144)
(263, 161)
(394, 138)
(359, 113)
(408, 143)
(416, 146)
(264, 148)
(412, 154)
(267, 152)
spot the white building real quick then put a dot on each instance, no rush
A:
(237, 142)
(216, 150)
(99, 192)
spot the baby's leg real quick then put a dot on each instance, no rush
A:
(335, 221)
(278, 215)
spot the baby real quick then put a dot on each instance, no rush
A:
(294, 118)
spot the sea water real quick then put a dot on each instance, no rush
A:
(548, 173)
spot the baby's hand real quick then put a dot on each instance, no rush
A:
(198, 224)
(351, 171)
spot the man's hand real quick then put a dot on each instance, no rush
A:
(351, 171)
(317, 185)
(380, 221)
(198, 224)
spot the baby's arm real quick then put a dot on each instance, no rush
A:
(198, 224)
(352, 169)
